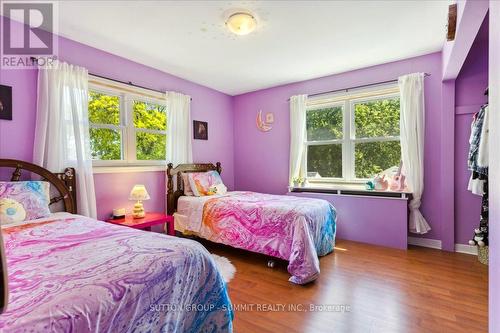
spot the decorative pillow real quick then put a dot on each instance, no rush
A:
(21, 201)
(206, 183)
(187, 186)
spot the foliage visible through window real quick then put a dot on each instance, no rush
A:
(324, 124)
(376, 119)
(125, 128)
(353, 139)
(325, 161)
(105, 130)
(150, 121)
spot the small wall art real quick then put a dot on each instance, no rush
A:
(5, 102)
(265, 124)
(200, 130)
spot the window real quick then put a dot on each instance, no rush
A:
(128, 126)
(352, 137)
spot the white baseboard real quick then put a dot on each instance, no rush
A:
(466, 248)
(436, 244)
(425, 242)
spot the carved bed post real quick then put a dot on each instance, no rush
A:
(16, 175)
(218, 167)
(170, 190)
(180, 186)
(69, 179)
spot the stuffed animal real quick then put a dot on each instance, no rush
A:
(380, 183)
(390, 178)
(397, 181)
(480, 237)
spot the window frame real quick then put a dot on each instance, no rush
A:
(127, 95)
(347, 100)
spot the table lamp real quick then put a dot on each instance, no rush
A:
(139, 193)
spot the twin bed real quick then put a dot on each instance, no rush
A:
(72, 273)
(294, 229)
(69, 273)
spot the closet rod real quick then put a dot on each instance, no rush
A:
(34, 59)
(356, 87)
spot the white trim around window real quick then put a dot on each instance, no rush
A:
(126, 128)
(347, 101)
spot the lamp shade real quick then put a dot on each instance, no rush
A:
(139, 192)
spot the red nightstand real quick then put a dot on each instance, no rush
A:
(147, 222)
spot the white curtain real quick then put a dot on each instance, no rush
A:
(297, 137)
(62, 128)
(412, 128)
(179, 130)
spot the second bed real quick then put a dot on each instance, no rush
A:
(294, 229)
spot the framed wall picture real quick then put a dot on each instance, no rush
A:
(200, 130)
(5, 102)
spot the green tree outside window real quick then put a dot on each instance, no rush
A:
(149, 120)
(372, 120)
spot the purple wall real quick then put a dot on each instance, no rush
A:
(469, 96)
(379, 222)
(16, 137)
(261, 159)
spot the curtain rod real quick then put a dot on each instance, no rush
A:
(356, 87)
(34, 59)
(129, 83)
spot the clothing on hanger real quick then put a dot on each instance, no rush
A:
(482, 154)
(475, 142)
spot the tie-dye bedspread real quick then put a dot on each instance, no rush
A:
(287, 227)
(76, 274)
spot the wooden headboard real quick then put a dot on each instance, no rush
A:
(173, 196)
(64, 183)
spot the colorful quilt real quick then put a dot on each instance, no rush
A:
(76, 274)
(287, 227)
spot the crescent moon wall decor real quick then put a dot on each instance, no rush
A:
(264, 125)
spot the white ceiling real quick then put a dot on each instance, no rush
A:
(294, 40)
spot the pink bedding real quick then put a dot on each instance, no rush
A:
(291, 228)
(76, 274)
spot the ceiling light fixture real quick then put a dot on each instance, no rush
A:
(241, 23)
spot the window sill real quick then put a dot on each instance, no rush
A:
(349, 189)
(128, 169)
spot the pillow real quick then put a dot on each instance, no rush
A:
(21, 201)
(206, 183)
(187, 186)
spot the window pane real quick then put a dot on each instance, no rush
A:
(105, 144)
(377, 118)
(324, 161)
(374, 157)
(150, 116)
(104, 109)
(324, 124)
(151, 146)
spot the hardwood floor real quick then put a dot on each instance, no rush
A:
(386, 290)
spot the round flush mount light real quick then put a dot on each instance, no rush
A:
(241, 23)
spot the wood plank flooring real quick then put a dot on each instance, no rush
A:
(386, 290)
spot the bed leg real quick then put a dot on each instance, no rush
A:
(270, 263)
